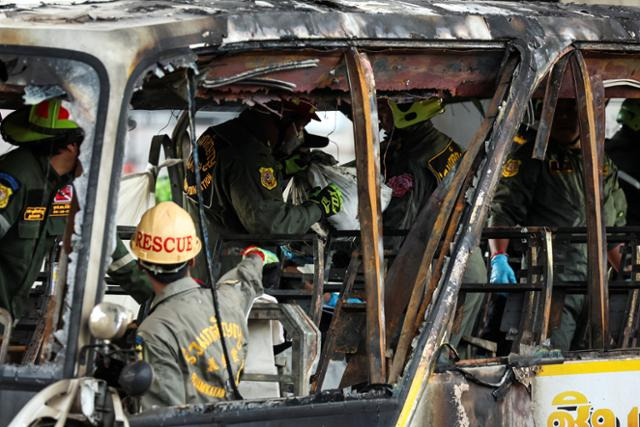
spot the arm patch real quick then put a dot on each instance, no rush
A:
(8, 187)
(443, 162)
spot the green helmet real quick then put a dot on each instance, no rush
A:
(629, 114)
(47, 121)
(406, 115)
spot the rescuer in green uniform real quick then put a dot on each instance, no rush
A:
(36, 196)
(242, 166)
(551, 193)
(180, 337)
(624, 150)
(416, 158)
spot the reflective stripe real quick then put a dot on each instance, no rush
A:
(121, 262)
(4, 226)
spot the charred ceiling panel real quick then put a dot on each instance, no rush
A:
(446, 72)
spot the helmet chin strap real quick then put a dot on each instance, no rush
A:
(159, 269)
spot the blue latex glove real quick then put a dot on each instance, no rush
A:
(501, 271)
(335, 296)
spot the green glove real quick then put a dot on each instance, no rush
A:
(329, 199)
(268, 257)
(296, 163)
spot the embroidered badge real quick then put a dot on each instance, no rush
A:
(400, 184)
(34, 213)
(64, 195)
(519, 139)
(5, 196)
(443, 162)
(62, 201)
(268, 178)
(8, 186)
(511, 168)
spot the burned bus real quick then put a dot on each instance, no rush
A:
(398, 302)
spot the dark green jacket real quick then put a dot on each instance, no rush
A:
(425, 155)
(125, 272)
(551, 193)
(181, 339)
(624, 150)
(242, 184)
(34, 205)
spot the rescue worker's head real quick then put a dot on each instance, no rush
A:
(165, 242)
(395, 115)
(565, 129)
(283, 122)
(629, 114)
(47, 129)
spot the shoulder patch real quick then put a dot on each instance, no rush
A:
(443, 162)
(268, 178)
(8, 186)
(511, 168)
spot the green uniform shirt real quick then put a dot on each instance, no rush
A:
(551, 193)
(624, 150)
(415, 161)
(181, 340)
(34, 205)
(242, 184)
(125, 272)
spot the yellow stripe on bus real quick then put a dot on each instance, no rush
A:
(581, 368)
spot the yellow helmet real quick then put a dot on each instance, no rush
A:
(165, 235)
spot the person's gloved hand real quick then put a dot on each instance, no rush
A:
(501, 271)
(296, 163)
(329, 199)
(335, 296)
(268, 257)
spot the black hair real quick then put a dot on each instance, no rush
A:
(51, 146)
(166, 278)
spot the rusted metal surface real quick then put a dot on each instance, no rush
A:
(549, 104)
(598, 294)
(544, 319)
(420, 299)
(411, 266)
(337, 326)
(508, 117)
(457, 401)
(318, 279)
(367, 147)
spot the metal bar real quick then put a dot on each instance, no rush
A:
(7, 323)
(596, 237)
(175, 176)
(530, 301)
(548, 107)
(318, 280)
(548, 287)
(365, 118)
(435, 278)
(328, 347)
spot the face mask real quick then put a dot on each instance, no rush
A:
(292, 139)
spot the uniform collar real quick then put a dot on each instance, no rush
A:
(174, 288)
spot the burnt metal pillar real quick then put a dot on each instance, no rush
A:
(597, 288)
(367, 148)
